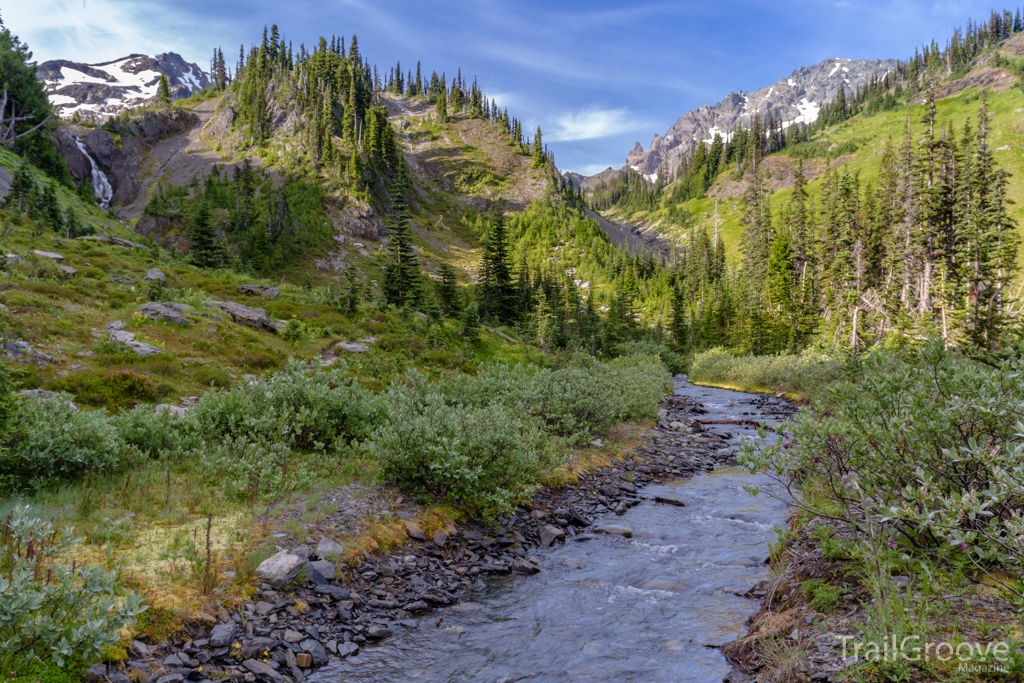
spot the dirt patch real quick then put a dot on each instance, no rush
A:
(779, 172)
(985, 78)
(178, 159)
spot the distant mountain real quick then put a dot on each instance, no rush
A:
(103, 90)
(796, 99)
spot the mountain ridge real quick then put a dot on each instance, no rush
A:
(796, 99)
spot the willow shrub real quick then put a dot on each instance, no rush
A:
(806, 373)
(51, 611)
(927, 447)
(487, 440)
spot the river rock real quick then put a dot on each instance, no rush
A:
(262, 670)
(155, 275)
(260, 290)
(223, 635)
(614, 530)
(549, 534)
(414, 531)
(521, 566)
(378, 632)
(280, 569)
(669, 501)
(48, 255)
(244, 315)
(167, 313)
(314, 648)
(327, 548)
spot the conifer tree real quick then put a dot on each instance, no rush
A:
(538, 150)
(163, 92)
(202, 236)
(402, 273)
(447, 290)
(496, 293)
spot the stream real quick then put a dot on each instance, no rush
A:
(654, 607)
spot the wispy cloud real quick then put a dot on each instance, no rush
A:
(593, 123)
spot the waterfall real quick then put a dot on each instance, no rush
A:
(100, 185)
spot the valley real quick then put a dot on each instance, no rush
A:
(318, 370)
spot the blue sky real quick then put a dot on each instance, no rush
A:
(596, 75)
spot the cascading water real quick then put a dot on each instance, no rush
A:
(100, 185)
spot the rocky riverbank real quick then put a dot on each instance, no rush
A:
(307, 610)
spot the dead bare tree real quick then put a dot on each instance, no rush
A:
(9, 124)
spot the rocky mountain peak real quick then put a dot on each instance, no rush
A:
(796, 99)
(103, 90)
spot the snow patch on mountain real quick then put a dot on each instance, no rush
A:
(797, 99)
(100, 91)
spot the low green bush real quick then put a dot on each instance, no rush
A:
(455, 438)
(807, 373)
(50, 441)
(51, 612)
(483, 456)
(297, 408)
(674, 362)
(922, 451)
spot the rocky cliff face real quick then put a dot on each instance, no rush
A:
(119, 156)
(796, 99)
(100, 91)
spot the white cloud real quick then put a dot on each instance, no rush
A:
(100, 30)
(592, 169)
(592, 123)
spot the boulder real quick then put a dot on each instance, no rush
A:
(164, 313)
(173, 411)
(614, 530)
(549, 534)
(326, 569)
(155, 275)
(142, 349)
(351, 347)
(414, 531)
(260, 290)
(48, 255)
(14, 259)
(280, 569)
(328, 548)
(245, 315)
(223, 635)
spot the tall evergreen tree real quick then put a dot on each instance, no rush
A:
(402, 272)
(163, 92)
(497, 296)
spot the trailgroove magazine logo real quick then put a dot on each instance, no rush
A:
(973, 657)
